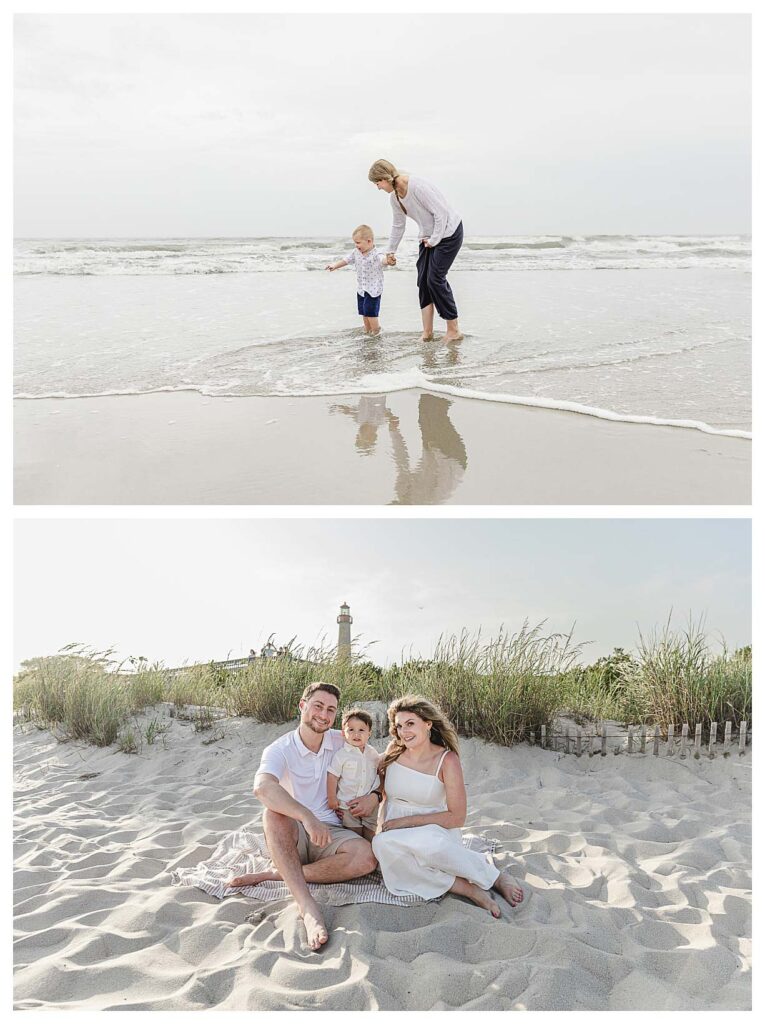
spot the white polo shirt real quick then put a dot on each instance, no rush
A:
(301, 772)
(356, 772)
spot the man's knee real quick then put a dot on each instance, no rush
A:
(361, 855)
(365, 859)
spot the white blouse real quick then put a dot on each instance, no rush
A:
(426, 205)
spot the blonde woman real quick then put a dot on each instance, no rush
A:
(440, 229)
(420, 849)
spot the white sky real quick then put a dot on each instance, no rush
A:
(183, 125)
(194, 590)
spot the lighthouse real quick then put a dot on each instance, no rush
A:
(344, 621)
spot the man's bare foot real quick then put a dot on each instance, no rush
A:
(256, 879)
(315, 929)
(482, 898)
(509, 888)
(453, 336)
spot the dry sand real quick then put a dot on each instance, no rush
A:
(638, 868)
(406, 448)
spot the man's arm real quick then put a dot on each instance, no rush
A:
(275, 797)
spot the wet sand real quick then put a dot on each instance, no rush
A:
(406, 448)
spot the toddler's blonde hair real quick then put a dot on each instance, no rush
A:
(364, 231)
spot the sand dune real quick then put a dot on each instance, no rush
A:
(639, 870)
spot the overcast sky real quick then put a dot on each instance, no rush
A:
(184, 125)
(195, 590)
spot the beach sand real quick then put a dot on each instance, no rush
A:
(638, 871)
(405, 448)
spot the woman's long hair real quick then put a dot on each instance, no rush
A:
(442, 732)
(384, 170)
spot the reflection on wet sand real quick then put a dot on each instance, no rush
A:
(369, 414)
(443, 461)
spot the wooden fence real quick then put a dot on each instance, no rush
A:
(646, 739)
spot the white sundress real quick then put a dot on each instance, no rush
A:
(425, 860)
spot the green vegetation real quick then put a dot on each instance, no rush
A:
(498, 689)
(154, 730)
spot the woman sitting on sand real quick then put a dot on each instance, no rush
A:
(440, 241)
(420, 849)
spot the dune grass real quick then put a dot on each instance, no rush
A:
(678, 678)
(498, 689)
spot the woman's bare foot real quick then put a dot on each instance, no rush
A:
(453, 336)
(315, 929)
(509, 889)
(426, 337)
(481, 897)
(256, 879)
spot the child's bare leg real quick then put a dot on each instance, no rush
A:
(427, 322)
(374, 324)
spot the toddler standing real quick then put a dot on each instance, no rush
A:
(369, 265)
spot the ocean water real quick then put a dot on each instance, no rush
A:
(652, 329)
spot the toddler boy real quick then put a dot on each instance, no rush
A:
(369, 265)
(352, 771)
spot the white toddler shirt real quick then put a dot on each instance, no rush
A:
(369, 271)
(301, 772)
(356, 772)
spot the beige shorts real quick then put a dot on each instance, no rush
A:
(310, 852)
(350, 822)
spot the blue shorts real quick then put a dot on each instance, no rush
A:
(369, 305)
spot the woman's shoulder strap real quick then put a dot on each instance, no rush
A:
(441, 761)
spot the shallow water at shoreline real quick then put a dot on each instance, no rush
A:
(669, 345)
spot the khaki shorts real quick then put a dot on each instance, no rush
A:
(310, 852)
(350, 822)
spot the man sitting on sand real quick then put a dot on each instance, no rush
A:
(304, 836)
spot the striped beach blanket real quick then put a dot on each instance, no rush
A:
(244, 851)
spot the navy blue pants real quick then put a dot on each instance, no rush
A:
(432, 268)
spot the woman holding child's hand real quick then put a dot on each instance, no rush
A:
(420, 849)
(440, 241)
